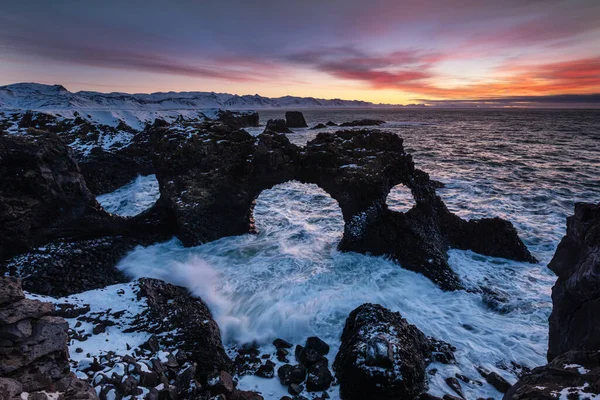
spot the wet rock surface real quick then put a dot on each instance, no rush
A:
(575, 318)
(295, 119)
(382, 356)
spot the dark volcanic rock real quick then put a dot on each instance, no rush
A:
(319, 126)
(237, 119)
(381, 356)
(363, 122)
(33, 348)
(295, 119)
(43, 194)
(573, 375)
(575, 318)
(173, 308)
(44, 197)
(574, 343)
(331, 123)
(357, 168)
(277, 125)
(63, 268)
(106, 171)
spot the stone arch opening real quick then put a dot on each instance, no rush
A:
(400, 198)
(299, 213)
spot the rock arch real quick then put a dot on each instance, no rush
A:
(210, 180)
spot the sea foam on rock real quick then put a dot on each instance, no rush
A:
(382, 356)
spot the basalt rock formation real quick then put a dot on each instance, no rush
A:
(295, 119)
(33, 347)
(237, 120)
(572, 375)
(573, 370)
(43, 194)
(575, 318)
(172, 309)
(383, 357)
(277, 125)
(210, 180)
(44, 199)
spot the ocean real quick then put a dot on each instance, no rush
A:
(289, 280)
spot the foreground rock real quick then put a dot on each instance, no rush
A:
(295, 119)
(572, 375)
(357, 168)
(574, 344)
(33, 347)
(172, 308)
(182, 358)
(575, 318)
(383, 357)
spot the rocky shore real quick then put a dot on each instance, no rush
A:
(154, 340)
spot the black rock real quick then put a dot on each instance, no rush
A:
(319, 377)
(381, 356)
(295, 119)
(454, 384)
(278, 126)
(363, 122)
(317, 344)
(319, 126)
(295, 389)
(281, 344)
(575, 318)
(267, 370)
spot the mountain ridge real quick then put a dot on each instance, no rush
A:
(37, 96)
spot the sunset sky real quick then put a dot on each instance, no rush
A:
(388, 51)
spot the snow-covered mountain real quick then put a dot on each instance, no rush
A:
(35, 96)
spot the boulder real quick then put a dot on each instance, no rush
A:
(238, 119)
(33, 344)
(295, 119)
(381, 356)
(173, 309)
(277, 125)
(575, 318)
(573, 375)
(319, 126)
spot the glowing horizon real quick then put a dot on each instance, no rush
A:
(380, 51)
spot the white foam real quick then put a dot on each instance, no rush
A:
(133, 198)
(289, 281)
